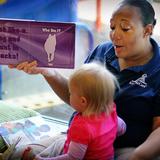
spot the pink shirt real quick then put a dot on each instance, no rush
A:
(98, 133)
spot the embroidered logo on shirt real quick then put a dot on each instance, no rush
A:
(140, 81)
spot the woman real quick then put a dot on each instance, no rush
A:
(133, 56)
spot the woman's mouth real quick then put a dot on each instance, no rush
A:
(118, 48)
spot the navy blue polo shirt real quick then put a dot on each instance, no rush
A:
(138, 99)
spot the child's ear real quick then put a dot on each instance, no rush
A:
(83, 101)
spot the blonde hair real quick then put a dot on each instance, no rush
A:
(97, 85)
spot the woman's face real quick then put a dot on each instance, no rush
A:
(127, 32)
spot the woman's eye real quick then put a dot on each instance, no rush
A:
(125, 26)
(112, 28)
(125, 29)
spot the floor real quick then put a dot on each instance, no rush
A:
(62, 111)
(45, 103)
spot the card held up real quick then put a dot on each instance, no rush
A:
(51, 44)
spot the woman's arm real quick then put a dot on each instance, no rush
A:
(150, 149)
(58, 83)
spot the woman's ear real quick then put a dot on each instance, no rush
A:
(148, 30)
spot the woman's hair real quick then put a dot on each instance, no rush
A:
(97, 85)
(146, 10)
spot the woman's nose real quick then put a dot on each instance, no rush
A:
(115, 35)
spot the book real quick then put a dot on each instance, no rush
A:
(51, 44)
(30, 130)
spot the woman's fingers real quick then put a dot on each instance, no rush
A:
(11, 66)
(28, 67)
(32, 64)
(22, 65)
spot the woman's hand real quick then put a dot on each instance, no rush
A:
(148, 150)
(30, 68)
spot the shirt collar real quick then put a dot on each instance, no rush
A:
(152, 65)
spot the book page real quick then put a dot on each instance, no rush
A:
(30, 130)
